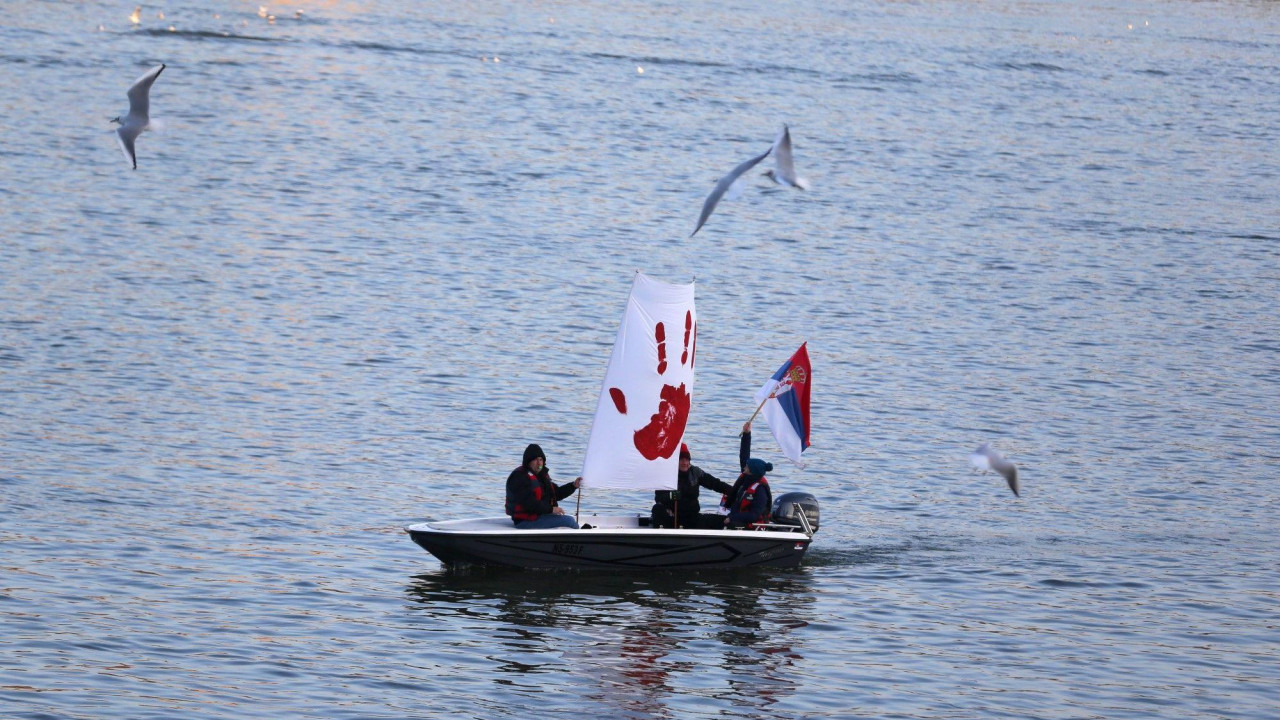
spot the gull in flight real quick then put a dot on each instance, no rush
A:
(986, 458)
(784, 168)
(726, 182)
(138, 119)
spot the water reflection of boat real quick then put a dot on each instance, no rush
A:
(620, 541)
(645, 644)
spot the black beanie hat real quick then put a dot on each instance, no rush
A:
(531, 452)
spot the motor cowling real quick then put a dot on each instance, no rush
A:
(788, 507)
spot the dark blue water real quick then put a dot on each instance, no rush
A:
(382, 246)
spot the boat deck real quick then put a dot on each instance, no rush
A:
(503, 524)
(592, 524)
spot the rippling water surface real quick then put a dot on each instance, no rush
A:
(381, 246)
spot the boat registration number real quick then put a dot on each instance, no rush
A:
(567, 549)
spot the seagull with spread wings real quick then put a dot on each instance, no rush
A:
(139, 117)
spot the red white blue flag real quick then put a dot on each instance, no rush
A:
(786, 404)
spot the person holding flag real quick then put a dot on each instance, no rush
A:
(750, 502)
(784, 398)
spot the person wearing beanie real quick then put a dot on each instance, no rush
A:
(750, 502)
(684, 499)
(532, 499)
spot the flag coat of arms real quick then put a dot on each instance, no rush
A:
(785, 398)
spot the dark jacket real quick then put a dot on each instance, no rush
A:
(530, 496)
(685, 497)
(750, 500)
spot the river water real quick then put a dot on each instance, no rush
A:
(379, 247)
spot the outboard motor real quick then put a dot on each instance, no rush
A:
(796, 508)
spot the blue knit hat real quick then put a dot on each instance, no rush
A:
(756, 466)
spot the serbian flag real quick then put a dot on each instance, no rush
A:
(785, 403)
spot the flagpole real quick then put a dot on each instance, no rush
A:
(757, 412)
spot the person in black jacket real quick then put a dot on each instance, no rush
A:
(687, 489)
(679, 507)
(532, 499)
(750, 501)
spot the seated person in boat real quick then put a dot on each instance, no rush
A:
(679, 507)
(532, 499)
(751, 502)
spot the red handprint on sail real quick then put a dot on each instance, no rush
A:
(661, 437)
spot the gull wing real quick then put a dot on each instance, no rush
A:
(784, 172)
(721, 187)
(986, 458)
(783, 164)
(140, 92)
(125, 138)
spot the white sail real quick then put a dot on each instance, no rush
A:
(647, 393)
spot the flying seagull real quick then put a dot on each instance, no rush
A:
(986, 458)
(721, 187)
(138, 119)
(784, 168)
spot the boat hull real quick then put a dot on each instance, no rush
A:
(602, 546)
